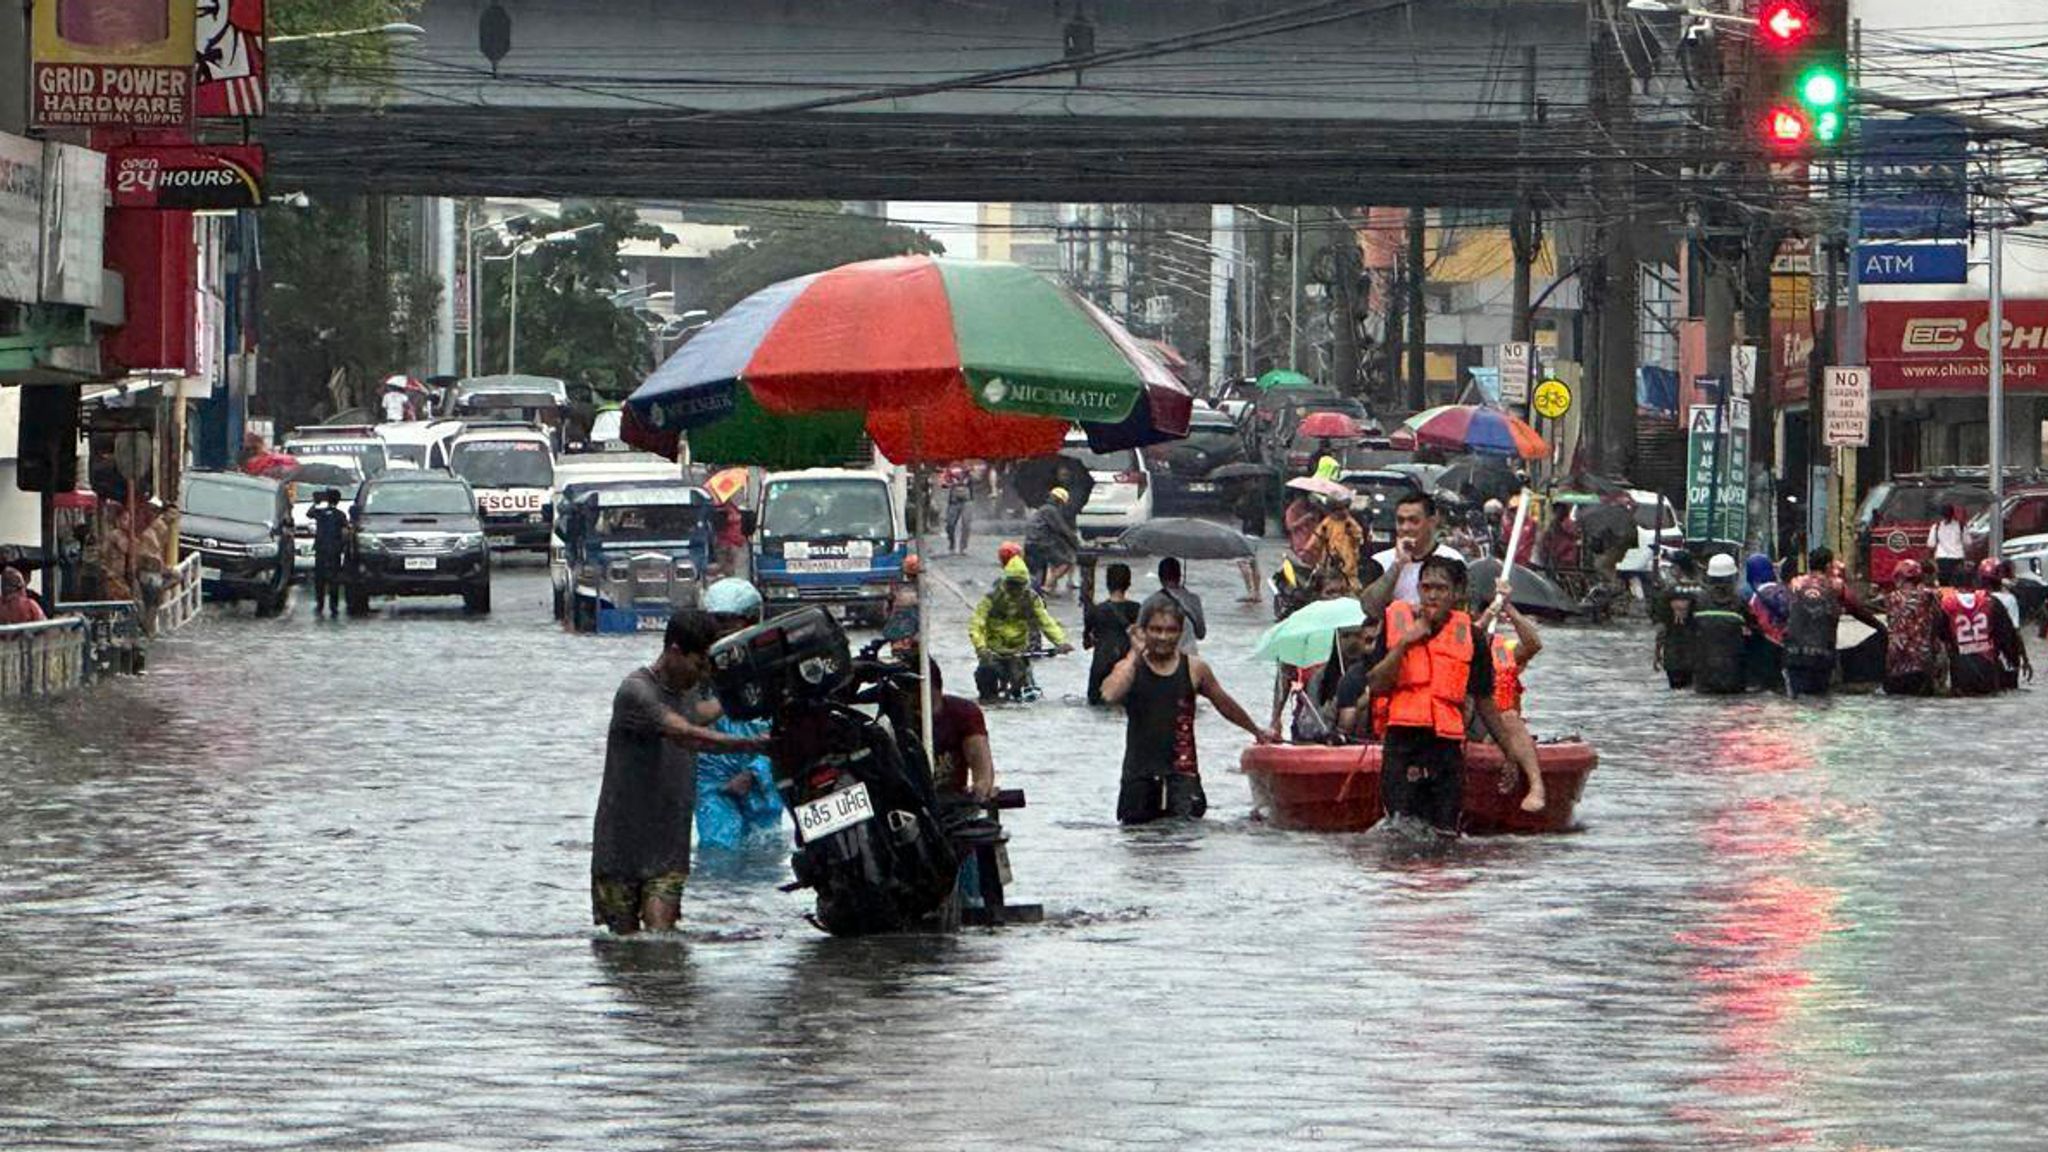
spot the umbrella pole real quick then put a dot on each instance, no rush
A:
(924, 615)
(1507, 564)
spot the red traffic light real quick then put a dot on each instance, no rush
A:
(1786, 128)
(1782, 24)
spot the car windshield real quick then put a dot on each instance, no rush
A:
(1121, 460)
(650, 522)
(1655, 516)
(1213, 435)
(407, 499)
(307, 493)
(822, 509)
(367, 456)
(242, 503)
(413, 454)
(1910, 503)
(504, 464)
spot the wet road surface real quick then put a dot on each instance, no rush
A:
(322, 883)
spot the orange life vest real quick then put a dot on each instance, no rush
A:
(1429, 691)
(1507, 675)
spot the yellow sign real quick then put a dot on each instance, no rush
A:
(117, 63)
(1553, 398)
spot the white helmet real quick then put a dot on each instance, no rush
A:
(1721, 567)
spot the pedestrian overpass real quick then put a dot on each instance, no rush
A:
(1273, 101)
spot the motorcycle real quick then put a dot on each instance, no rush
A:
(879, 848)
(1010, 676)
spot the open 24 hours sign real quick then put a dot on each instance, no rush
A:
(186, 176)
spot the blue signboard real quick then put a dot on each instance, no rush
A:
(1938, 263)
(1913, 180)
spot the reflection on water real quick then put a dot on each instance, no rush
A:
(324, 883)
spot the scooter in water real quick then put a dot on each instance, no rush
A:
(870, 839)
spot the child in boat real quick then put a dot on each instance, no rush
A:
(1511, 656)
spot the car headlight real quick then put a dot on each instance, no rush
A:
(465, 541)
(264, 551)
(779, 592)
(369, 542)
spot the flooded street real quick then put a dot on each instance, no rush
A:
(325, 883)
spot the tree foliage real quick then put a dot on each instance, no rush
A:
(569, 325)
(310, 69)
(326, 317)
(790, 244)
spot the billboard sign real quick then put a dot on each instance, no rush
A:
(74, 224)
(1915, 178)
(229, 79)
(186, 176)
(112, 63)
(1944, 345)
(1716, 474)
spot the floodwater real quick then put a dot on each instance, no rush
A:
(324, 884)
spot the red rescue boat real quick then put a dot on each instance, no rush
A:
(1318, 788)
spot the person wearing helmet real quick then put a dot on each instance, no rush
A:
(1720, 632)
(737, 806)
(1001, 629)
(1051, 542)
(1911, 637)
(1817, 600)
(903, 592)
(1672, 610)
(1973, 626)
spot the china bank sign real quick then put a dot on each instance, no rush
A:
(1945, 346)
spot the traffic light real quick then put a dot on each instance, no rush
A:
(1803, 69)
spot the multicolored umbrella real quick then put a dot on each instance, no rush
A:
(935, 359)
(1283, 378)
(726, 484)
(1470, 428)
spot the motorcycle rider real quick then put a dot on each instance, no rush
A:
(1000, 631)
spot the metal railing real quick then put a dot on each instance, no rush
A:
(114, 643)
(43, 658)
(183, 602)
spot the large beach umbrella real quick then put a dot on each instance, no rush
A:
(935, 359)
(1476, 428)
(1187, 539)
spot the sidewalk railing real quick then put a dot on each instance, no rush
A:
(183, 602)
(114, 643)
(43, 658)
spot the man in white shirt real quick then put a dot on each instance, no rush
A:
(394, 407)
(1400, 567)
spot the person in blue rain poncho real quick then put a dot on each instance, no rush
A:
(737, 805)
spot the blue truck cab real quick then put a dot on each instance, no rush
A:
(627, 553)
(831, 538)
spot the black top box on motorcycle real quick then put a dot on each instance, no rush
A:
(800, 656)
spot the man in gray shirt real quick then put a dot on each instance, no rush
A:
(1171, 588)
(640, 845)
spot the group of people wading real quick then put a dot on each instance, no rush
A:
(1760, 627)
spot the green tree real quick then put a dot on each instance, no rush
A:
(308, 69)
(569, 326)
(331, 324)
(790, 242)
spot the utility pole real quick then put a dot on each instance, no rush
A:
(1997, 390)
(1294, 296)
(1613, 404)
(1524, 233)
(1418, 319)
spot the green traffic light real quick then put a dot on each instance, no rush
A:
(1821, 88)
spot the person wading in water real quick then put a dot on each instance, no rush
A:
(1157, 684)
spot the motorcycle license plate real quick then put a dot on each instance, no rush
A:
(834, 813)
(419, 563)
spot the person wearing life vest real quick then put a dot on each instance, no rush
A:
(1720, 633)
(1431, 664)
(1815, 602)
(1511, 657)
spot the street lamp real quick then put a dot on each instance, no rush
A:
(1678, 8)
(528, 248)
(397, 33)
(474, 290)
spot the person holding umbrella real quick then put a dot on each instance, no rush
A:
(1050, 542)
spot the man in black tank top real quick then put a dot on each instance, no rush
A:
(1157, 684)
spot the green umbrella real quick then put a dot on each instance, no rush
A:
(1305, 637)
(1284, 378)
